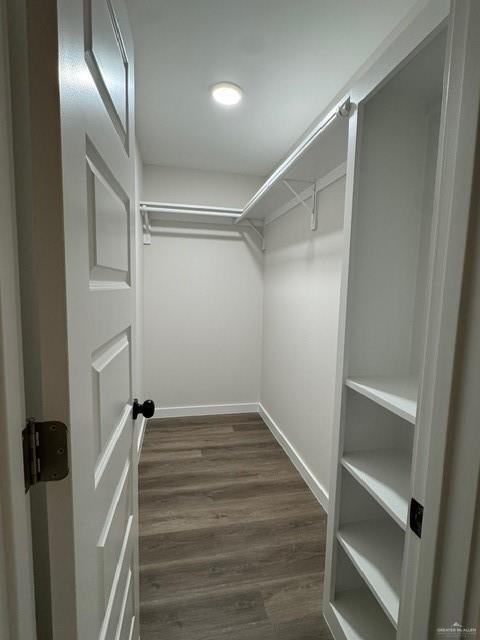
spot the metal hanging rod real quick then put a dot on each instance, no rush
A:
(342, 110)
(190, 209)
(194, 207)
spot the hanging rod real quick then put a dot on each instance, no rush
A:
(195, 207)
(190, 209)
(342, 110)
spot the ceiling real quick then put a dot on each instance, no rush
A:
(290, 57)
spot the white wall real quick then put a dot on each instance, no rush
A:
(187, 186)
(203, 292)
(226, 324)
(301, 306)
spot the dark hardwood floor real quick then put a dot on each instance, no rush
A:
(232, 542)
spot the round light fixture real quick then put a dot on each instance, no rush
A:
(227, 93)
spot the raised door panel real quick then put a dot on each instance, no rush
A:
(126, 619)
(111, 366)
(114, 536)
(109, 224)
(106, 57)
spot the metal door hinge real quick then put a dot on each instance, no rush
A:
(45, 453)
(416, 517)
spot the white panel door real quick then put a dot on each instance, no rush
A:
(96, 113)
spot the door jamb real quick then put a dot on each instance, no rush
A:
(17, 601)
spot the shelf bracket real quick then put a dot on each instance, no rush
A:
(311, 211)
(314, 215)
(257, 231)
(147, 233)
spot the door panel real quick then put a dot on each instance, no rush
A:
(108, 214)
(96, 102)
(106, 57)
(111, 366)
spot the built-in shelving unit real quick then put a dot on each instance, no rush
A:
(385, 325)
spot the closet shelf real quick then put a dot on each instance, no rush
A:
(385, 474)
(321, 153)
(157, 212)
(398, 394)
(359, 616)
(375, 548)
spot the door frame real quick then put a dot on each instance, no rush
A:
(17, 602)
(460, 504)
(435, 475)
(36, 147)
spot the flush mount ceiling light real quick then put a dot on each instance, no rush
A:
(227, 93)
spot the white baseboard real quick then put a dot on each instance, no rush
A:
(313, 484)
(252, 407)
(206, 410)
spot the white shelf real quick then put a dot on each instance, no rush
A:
(360, 618)
(375, 548)
(385, 474)
(324, 154)
(395, 393)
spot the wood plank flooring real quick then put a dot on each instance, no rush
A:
(232, 542)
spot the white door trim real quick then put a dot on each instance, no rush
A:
(452, 212)
(17, 608)
(458, 555)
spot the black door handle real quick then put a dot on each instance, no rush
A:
(147, 408)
